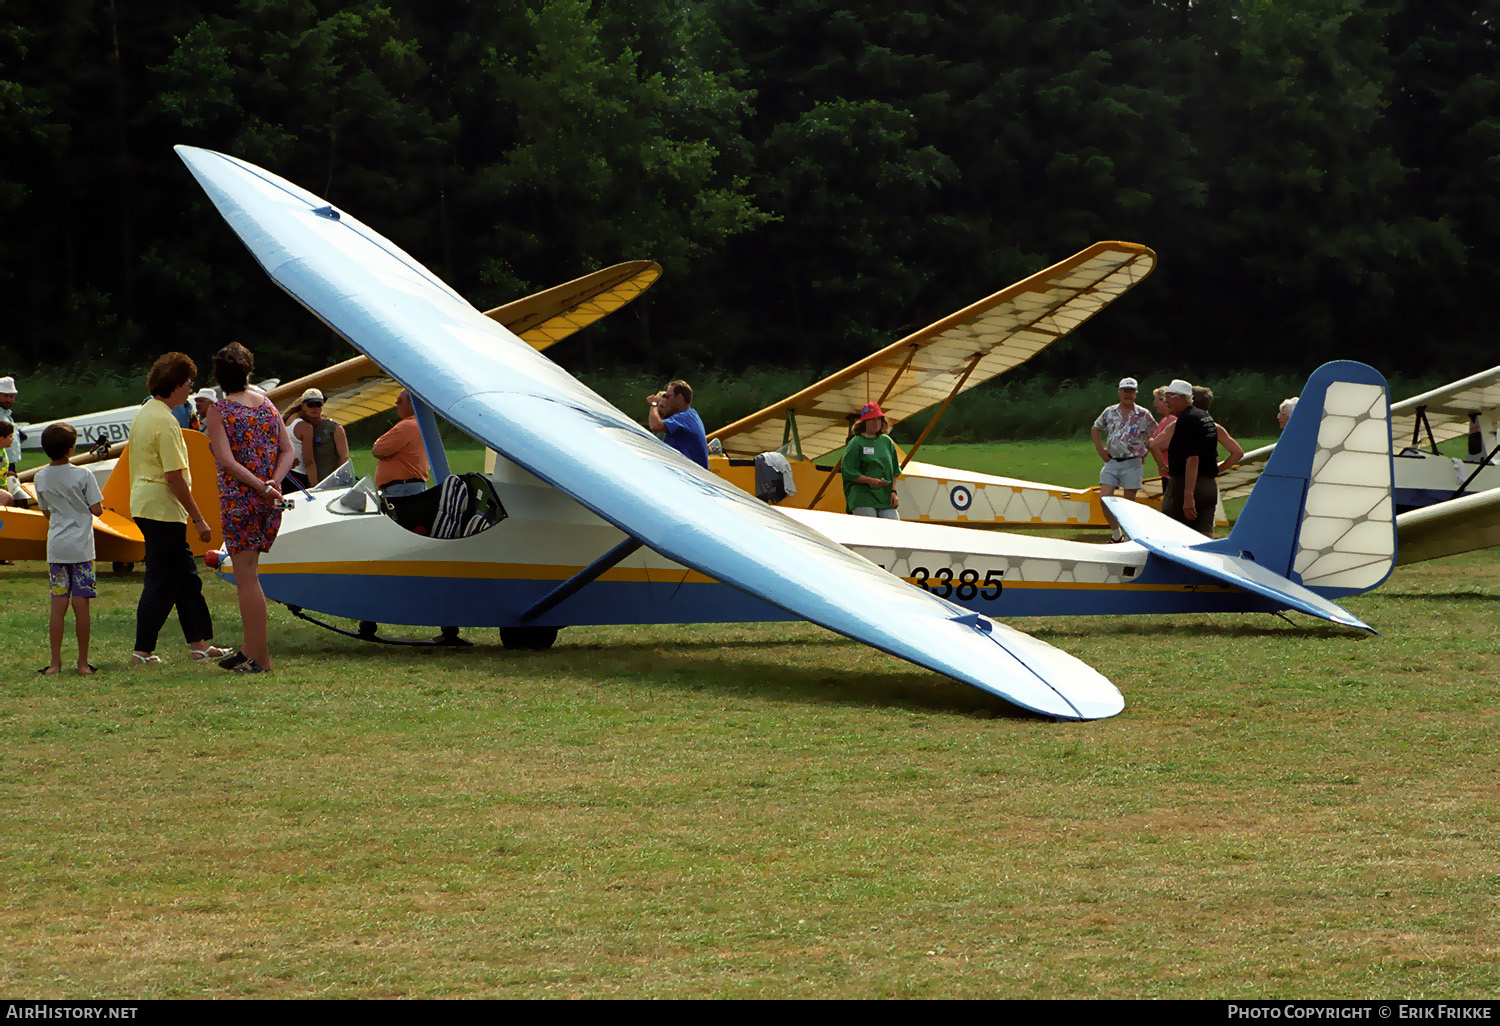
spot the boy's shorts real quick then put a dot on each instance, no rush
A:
(75, 580)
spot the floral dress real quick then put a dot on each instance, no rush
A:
(250, 523)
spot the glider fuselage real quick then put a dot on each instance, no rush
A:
(340, 555)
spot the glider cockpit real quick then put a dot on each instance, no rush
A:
(458, 506)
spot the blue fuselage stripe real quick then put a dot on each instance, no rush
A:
(490, 602)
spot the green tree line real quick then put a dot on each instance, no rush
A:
(817, 178)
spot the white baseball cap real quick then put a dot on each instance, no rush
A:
(1180, 387)
(1129, 383)
(8, 386)
(311, 393)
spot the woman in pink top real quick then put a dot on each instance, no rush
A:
(1164, 419)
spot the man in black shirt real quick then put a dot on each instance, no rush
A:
(1192, 444)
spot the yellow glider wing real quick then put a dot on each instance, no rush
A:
(955, 354)
(356, 389)
(1445, 411)
(1448, 528)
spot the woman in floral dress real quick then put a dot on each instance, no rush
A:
(254, 453)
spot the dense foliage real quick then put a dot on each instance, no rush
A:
(1317, 176)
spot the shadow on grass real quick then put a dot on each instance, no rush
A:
(755, 667)
(1181, 628)
(1446, 596)
(814, 686)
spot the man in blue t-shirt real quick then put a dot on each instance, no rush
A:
(671, 412)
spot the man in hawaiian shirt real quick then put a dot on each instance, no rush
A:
(1120, 436)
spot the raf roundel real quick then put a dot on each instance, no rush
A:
(961, 498)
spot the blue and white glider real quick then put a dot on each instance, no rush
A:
(473, 372)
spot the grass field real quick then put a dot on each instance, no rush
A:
(1283, 810)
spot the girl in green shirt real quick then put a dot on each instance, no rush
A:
(871, 467)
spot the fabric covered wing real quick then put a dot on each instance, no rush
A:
(960, 351)
(1236, 482)
(500, 390)
(553, 315)
(356, 389)
(1443, 411)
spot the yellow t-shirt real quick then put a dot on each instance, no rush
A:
(156, 446)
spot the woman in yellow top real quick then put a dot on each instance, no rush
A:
(162, 506)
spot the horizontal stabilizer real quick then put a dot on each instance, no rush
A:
(1168, 539)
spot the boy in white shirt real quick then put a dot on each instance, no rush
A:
(7, 472)
(71, 499)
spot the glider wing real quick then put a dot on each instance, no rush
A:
(1445, 411)
(960, 351)
(1448, 528)
(356, 388)
(1423, 421)
(503, 392)
(1236, 482)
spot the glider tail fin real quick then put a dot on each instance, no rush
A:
(1321, 513)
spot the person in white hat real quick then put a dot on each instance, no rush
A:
(318, 441)
(1192, 448)
(203, 401)
(1121, 434)
(7, 400)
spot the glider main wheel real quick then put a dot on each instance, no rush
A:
(532, 639)
(122, 568)
(450, 639)
(367, 628)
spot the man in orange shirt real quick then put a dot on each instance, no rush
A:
(401, 459)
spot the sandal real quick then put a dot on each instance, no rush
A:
(137, 659)
(209, 654)
(233, 662)
(250, 666)
(48, 671)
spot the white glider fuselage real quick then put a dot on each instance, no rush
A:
(339, 554)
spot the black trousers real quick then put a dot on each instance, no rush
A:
(1205, 497)
(171, 580)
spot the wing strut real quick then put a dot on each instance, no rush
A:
(915, 348)
(910, 355)
(1418, 425)
(974, 362)
(1486, 462)
(588, 574)
(790, 432)
(437, 456)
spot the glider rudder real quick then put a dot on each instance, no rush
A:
(1321, 513)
